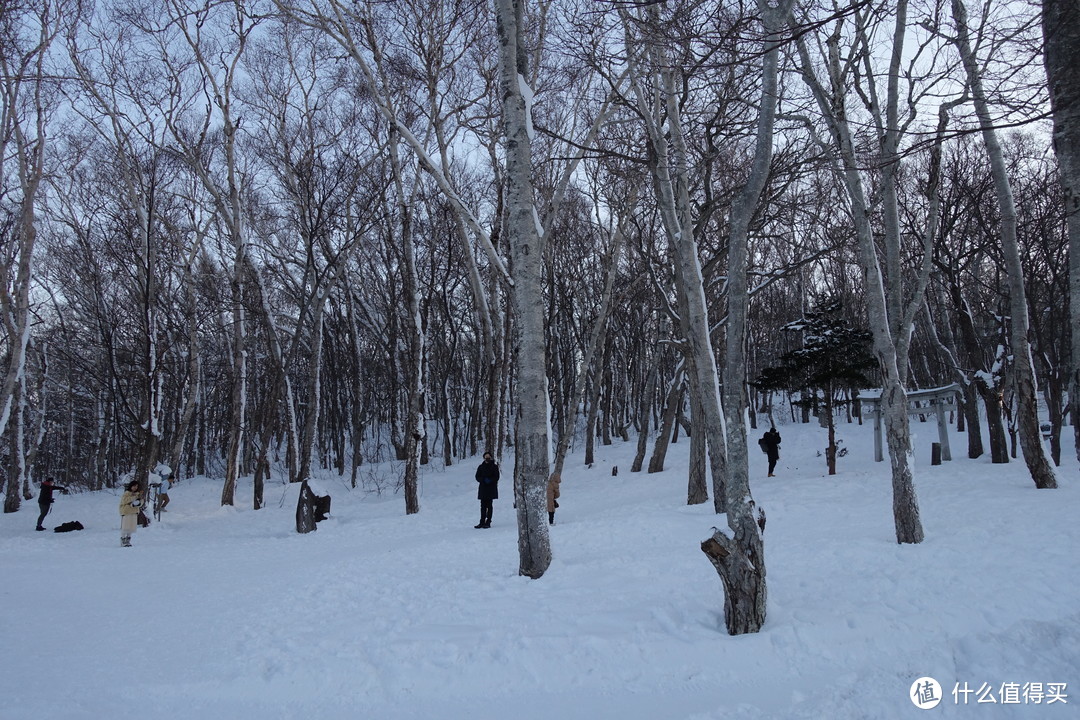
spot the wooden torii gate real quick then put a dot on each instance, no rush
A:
(941, 400)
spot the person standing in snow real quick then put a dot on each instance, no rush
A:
(553, 496)
(487, 478)
(45, 499)
(129, 511)
(770, 443)
(163, 493)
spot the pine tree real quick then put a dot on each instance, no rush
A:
(836, 356)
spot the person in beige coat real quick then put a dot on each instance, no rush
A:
(129, 511)
(552, 496)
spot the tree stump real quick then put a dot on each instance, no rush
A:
(740, 563)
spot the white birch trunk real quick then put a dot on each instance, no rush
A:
(893, 399)
(741, 563)
(527, 257)
(1038, 463)
(671, 186)
(21, 96)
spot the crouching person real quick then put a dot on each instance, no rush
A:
(129, 511)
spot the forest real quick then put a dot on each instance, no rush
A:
(259, 238)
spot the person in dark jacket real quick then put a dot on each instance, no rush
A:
(45, 499)
(487, 477)
(770, 443)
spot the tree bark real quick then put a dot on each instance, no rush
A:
(669, 166)
(1038, 464)
(1061, 54)
(667, 421)
(893, 399)
(697, 480)
(742, 564)
(644, 416)
(526, 238)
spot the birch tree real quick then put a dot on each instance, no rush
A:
(134, 138)
(654, 90)
(526, 238)
(1061, 54)
(1038, 464)
(201, 51)
(831, 102)
(26, 106)
(739, 558)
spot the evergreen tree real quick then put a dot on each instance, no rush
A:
(835, 358)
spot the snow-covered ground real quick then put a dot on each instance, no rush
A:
(228, 613)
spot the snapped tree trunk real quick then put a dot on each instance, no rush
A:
(739, 558)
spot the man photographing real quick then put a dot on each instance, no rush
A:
(45, 499)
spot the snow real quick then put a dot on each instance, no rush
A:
(536, 221)
(229, 613)
(527, 97)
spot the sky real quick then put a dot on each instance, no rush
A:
(226, 612)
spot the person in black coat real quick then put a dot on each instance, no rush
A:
(770, 443)
(487, 478)
(45, 499)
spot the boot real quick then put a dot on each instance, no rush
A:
(125, 541)
(486, 523)
(551, 518)
(482, 516)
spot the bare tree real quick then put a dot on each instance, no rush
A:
(26, 103)
(1042, 472)
(740, 558)
(1061, 53)
(830, 100)
(526, 237)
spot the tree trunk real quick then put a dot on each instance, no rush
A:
(741, 563)
(697, 482)
(597, 339)
(414, 430)
(238, 403)
(667, 422)
(194, 374)
(973, 421)
(527, 255)
(644, 416)
(17, 466)
(830, 451)
(1061, 35)
(893, 399)
(670, 175)
(1042, 472)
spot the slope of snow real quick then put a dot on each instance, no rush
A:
(228, 613)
